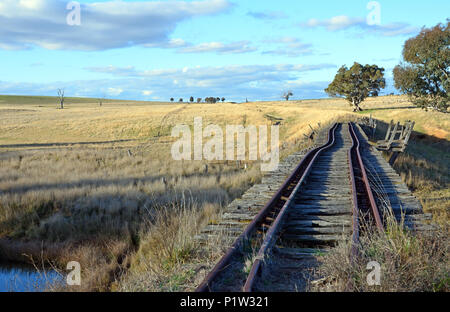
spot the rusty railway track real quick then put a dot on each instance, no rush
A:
(364, 204)
(308, 214)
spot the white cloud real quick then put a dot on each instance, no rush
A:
(289, 46)
(115, 91)
(263, 81)
(396, 29)
(182, 46)
(147, 92)
(267, 15)
(343, 22)
(336, 22)
(219, 47)
(104, 25)
(236, 82)
(236, 73)
(168, 44)
(132, 88)
(31, 4)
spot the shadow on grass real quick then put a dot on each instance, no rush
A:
(92, 183)
(60, 220)
(61, 144)
(366, 111)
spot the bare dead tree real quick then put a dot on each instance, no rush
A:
(100, 102)
(61, 98)
(287, 95)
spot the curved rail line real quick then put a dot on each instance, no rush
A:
(362, 195)
(274, 213)
(273, 231)
(273, 206)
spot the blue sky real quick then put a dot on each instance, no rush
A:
(154, 50)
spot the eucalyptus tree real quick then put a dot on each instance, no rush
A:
(357, 83)
(424, 73)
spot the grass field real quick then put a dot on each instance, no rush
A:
(97, 184)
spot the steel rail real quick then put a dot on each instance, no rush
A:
(355, 210)
(276, 225)
(299, 171)
(368, 189)
(354, 151)
(271, 235)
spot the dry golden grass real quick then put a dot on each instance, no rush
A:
(86, 194)
(86, 122)
(411, 263)
(168, 258)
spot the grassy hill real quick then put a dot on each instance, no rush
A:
(50, 101)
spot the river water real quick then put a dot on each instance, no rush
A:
(21, 278)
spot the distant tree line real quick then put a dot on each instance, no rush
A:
(210, 99)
